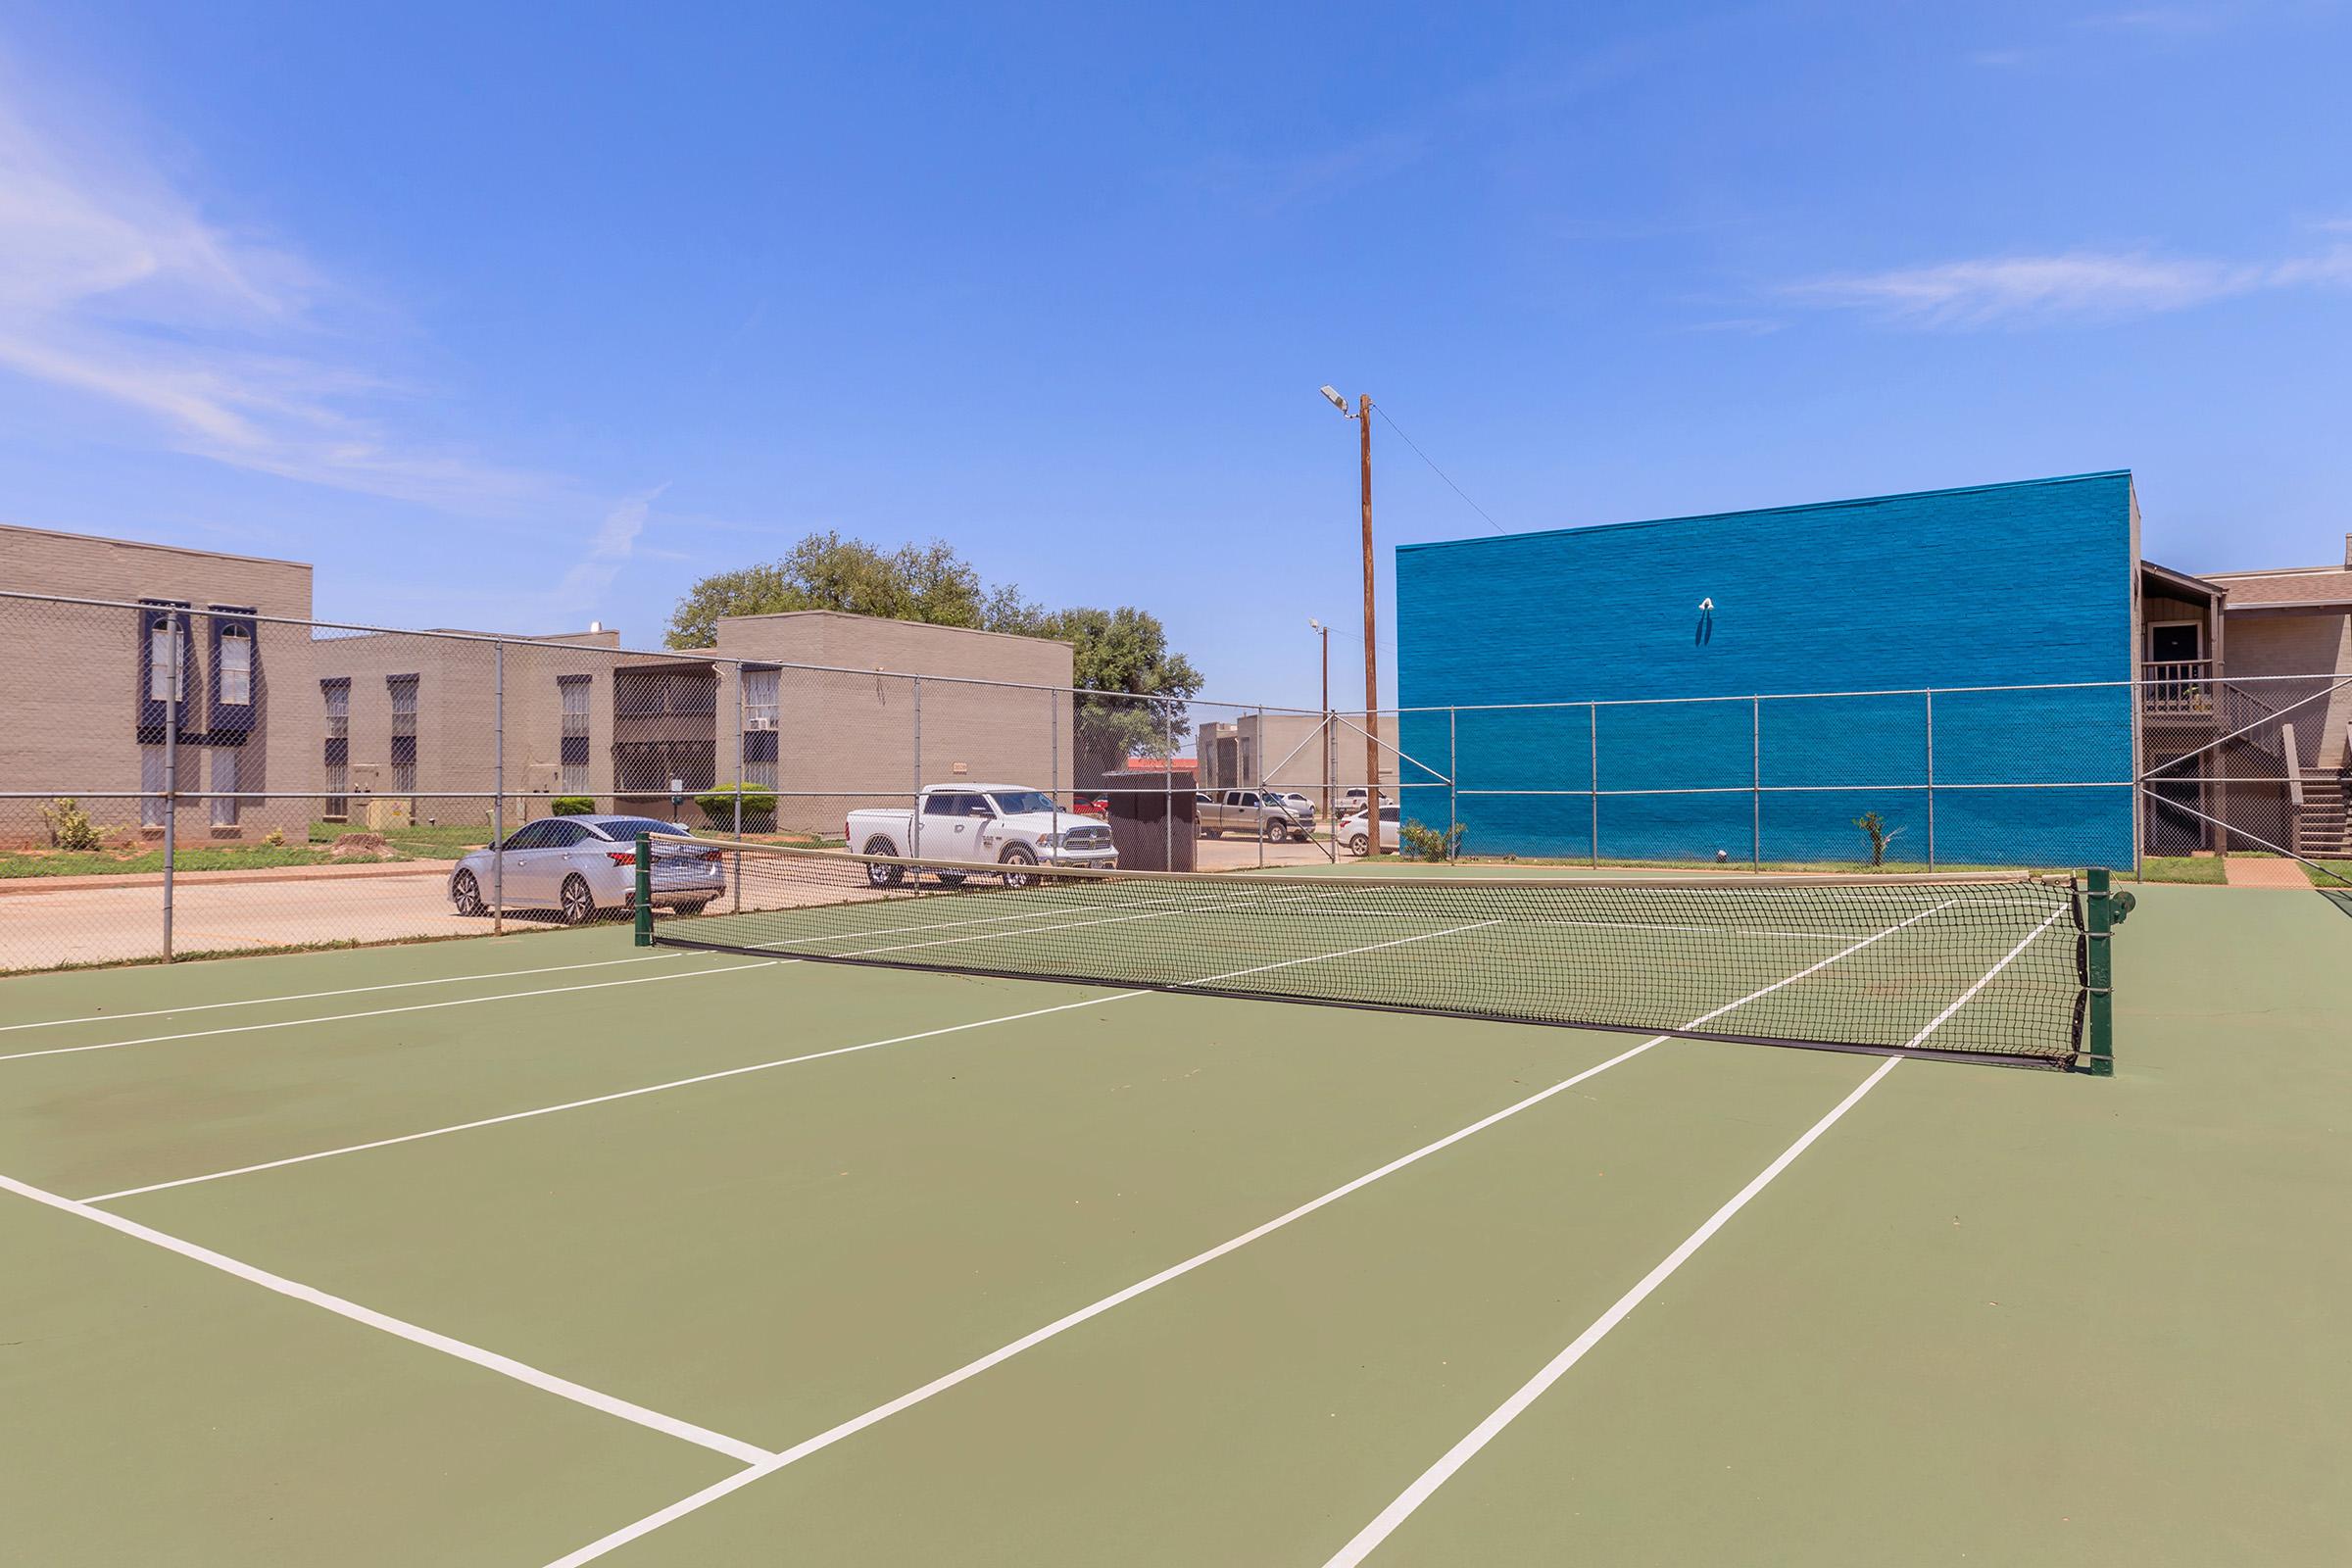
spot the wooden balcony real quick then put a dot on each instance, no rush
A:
(2184, 690)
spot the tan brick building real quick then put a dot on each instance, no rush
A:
(87, 689)
(379, 728)
(408, 725)
(833, 714)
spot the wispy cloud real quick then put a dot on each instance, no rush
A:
(115, 286)
(1273, 184)
(2168, 20)
(2070, 286)
(585, 583)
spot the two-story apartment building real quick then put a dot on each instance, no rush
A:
(280, 722)
(100, 699)
(410, 727)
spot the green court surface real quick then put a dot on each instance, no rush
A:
(559, 1250)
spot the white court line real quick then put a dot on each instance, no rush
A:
(315, 996)
(708, 1077)
(511, 996)
(603, 1100)
(505, 1366)
(971, 1369)
(1385, 1524)
(386, 1012)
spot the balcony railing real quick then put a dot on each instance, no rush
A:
(2185, 686)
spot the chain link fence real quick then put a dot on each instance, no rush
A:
(181, 780)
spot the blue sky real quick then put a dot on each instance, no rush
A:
(528, 318)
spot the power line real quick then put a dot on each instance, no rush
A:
(1440, 473)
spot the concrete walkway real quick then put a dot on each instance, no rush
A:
(68, 920)
(2263, 871)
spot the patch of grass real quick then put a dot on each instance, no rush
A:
(2207, 869)
(194, 857)
(2343, 868)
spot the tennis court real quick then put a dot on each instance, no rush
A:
(555, 1248)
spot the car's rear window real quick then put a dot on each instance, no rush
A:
(628, 827)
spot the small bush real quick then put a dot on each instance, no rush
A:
(275, 838)
(1424, 843)
(758, 806)
(573, 806)
(71, 827)
(1873, 828)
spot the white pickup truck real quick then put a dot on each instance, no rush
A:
(1006, 824)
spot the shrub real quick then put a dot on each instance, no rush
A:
(275, 838)
(71, 827)
(758, 806)
(1873, 828)
(1423, 843)
(573, 806)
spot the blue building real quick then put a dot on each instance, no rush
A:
(1630, 689)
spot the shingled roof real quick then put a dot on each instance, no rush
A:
(2295, 585)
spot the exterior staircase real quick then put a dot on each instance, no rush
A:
(2321, 828)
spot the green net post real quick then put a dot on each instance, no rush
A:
(2098, 971)
(645, 890)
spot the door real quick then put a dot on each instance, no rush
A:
(572, 848)
(946, 827)
(531, 861)
(2175, 642)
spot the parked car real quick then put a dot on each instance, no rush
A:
(1353, 797)
(1007, 825)
(1356, 829)
(578, 868)
(1260, 813)
(1091, 805)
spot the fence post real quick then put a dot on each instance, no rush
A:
(1262, 781)
(2098, 972)
(171, 774)
(1756, 784)
(740, 710)
(498, 789)
(1167, 792)
(645, 890)
(1453, 768)
(1930, 694)
(1592, 753)
(915, 802)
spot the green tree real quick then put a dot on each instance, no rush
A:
(825, 572)
(1123, 654)
(1133, 689)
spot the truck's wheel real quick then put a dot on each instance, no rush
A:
(1273, 829)
(883, 876)
(1018, 855)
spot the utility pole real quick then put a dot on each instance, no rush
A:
(1363, 415)
(1364, 430)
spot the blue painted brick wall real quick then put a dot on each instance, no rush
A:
(1993, 585)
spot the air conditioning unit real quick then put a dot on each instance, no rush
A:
(759, 721)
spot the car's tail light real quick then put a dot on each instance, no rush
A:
(711, 857)
(621, 857)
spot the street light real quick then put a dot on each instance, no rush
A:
(1363, 415)
(1324, 632)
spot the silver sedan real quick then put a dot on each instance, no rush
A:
(579, 867)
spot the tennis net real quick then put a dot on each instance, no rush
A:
(1976, 968)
